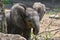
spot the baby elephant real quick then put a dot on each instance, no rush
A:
(22, 19)
(41, 8)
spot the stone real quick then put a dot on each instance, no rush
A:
(11, 37)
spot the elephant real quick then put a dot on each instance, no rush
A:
(22, 19)
(32, 19)
(41, 8)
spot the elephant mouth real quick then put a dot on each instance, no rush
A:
(29, 23)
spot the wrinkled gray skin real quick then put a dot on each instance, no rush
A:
(22, 19)
(33, 19)
(41, 8)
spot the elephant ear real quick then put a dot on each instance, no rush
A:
(17, 13)
(19, 7)
(23, 5)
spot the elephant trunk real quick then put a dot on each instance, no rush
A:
(36, 25)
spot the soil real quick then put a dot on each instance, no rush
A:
(50, 25)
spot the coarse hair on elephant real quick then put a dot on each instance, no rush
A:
(22, 19)
(41, 8)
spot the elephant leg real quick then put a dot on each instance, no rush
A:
(10, 30)
(27, 33)
(18, 31)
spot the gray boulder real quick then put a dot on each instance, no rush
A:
(11, 37)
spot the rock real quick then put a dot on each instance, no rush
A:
(54, 16)
(11, 37)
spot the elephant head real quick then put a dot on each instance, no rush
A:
(32, 19)
(41, 8)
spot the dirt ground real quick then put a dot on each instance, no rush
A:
(50, 25)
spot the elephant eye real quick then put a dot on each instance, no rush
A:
(31, 17)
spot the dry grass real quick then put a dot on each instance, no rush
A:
(51, 25)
